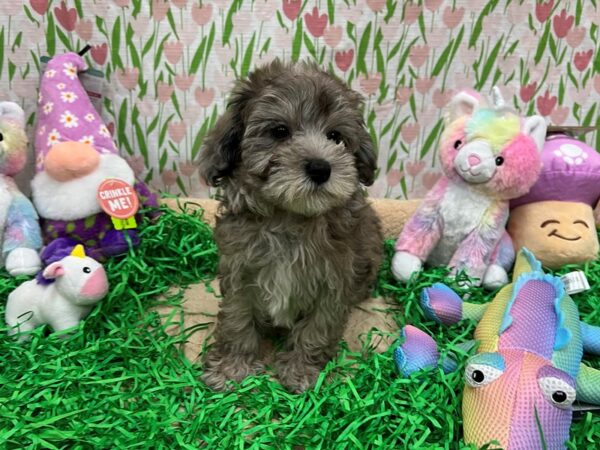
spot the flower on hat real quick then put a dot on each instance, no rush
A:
(87, 140)
(68, 96)
(40, 98)
(50, 73)
(61, 86)
(89, 117)
(53, 137)
(47, 108)
(104, 131)
(571, 154)
(42, 130)
(69, 120)
(70, 70)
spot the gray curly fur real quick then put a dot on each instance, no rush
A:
(294, 256)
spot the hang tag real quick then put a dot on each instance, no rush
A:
(575, 282)
(92, 81)
(119, 200)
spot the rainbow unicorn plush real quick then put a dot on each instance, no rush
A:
(489, 155)
(527, 372)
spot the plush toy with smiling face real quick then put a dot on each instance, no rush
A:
(75, 154)
(555, 219)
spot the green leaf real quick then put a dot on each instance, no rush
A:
(50, 36)
(63, 38)
(489, 64)
(479, 23)
(159, 52)
(122, 125)
(163, 161)
(148, 45)
(152, 126)
(135, 57)
(171, 21)
(1, 51)
(433, 135)
(247, 61)
(297, 43)
(198, 55)
(561, 91)
(115, 44)
(211, 40)
(391, 160)
(163, 131)
(395, 49)
(587, 120)
(229, 21)
(197, 144)
(331, 11)
(141, 139)
(442, 60)
(361, 65)
(309, 46)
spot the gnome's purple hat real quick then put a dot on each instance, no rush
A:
(570, 173)
(65, 112)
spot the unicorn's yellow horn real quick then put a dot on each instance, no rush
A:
(78, 251)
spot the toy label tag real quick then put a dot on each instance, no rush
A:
(575, 282)
(119, 200)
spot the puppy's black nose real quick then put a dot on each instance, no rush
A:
(318, 170)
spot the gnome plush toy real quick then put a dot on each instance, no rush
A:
(75, 154)
(20, 234)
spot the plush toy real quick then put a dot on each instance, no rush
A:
(555, 220)
(20, 233)
(75, 154)
(63, 295)
(527, 372)
(489, 155)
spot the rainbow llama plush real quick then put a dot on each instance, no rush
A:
(527, 372)
(489, 155)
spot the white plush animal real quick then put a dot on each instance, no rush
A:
(67, 293)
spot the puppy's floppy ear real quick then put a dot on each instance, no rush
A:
(366, 159)
(221, 148)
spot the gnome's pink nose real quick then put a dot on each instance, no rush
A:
(473, 160)
(68, 160)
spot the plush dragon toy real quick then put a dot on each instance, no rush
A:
(527, 371)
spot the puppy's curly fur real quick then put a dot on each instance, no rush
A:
(299, 245)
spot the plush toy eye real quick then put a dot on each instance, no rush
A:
(478, 375)
(86, 270)
(558, 392)
(457, 144)
(1, 137)
(334, 135)
(499, 160)
(280, 132)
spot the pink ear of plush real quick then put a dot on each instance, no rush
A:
(54, 270)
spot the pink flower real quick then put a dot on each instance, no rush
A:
(344, 59)
(518, 13)
(597, 82)
(390, 29)
(582, 59)
(39, 6)
(137, 164)
(315, 23)
(403, 95)
(432, 5)
(453, 17)
(177, 131)
(99, 53)
(559, 115)
(575, 36)
(543, 10)
(424, 84)
(184, 82)
(418, 54)
(121, 3)
(546, 104)
(376, 5)
(188, 168)
(128, 77)
(414, 168)
(430, 178)
(66, 17)
(264, 10)
(169, 177)
(370, 83)
(411, 13)
(333, 35)
(84, 29)
(160, 8)
(291, 8)
(441, 98)
(526, 93)
(145, 107)
(201, 14)
(204, 97)
(409, 132)
(393, 177)
(179, 3)
(173, 51)
(139, 24)
(562, 24)
(164, 91)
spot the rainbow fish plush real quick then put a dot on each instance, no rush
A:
(489, 155)
(521, 384)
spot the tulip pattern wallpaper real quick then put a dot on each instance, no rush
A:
(168, 66)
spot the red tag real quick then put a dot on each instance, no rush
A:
(117, 198)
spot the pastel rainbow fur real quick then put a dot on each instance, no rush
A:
(489, 155)
(527, 370)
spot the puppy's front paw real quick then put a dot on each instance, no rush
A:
(220, 369)
(295, 373)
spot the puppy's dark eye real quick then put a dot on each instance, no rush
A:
(499, 160)
(457, 144)
(335, 136)
(86, 270)
(280, 132)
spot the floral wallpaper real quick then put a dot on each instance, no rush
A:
(168, 66)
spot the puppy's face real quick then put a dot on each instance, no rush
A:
(292, 139)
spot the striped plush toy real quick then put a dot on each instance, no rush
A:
(489, 155)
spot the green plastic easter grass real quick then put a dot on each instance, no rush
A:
(120, 382)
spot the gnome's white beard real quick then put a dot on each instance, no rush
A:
(76, 199)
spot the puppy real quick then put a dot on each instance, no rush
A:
(299, 245)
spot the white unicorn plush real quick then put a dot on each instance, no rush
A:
(63, 295)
